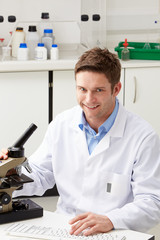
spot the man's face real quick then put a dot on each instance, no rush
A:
(95, 96)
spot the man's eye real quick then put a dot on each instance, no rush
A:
(99, 90)
(82, 89)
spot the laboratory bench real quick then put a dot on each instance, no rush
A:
(37, 229)
(49, 204)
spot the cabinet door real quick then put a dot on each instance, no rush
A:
(142, 94)
(64, 91)
(23, 100)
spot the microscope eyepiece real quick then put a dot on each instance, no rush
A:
(17, 149)
(21, 141)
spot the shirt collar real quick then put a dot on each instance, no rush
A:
(106, 125)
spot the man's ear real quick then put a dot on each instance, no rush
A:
(117, 89)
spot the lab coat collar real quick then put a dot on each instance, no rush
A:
(118, 127)
(116, 130)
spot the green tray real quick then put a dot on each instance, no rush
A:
(138, 52)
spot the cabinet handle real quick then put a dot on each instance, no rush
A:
(135, 89)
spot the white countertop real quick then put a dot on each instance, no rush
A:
(140, 63)
(68, 53)
(61, 64)
(48, 65)
(67, 61)
(58, 221)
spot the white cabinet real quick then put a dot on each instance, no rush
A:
(142, 93)
(23, 100)
(64, 91)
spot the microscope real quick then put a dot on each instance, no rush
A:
(11, 179)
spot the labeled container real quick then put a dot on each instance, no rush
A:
(137, 51)
(18, 37)
(40, 52)
(32, 39)
(45, 23)
(22, 54)
(54, 52)
(48, 40)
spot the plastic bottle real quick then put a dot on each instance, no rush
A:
(22, 54)
(54, 52)
(48, 40)
(1, 39)
(1, 19)
(1, 45)
(85, 30)
(40, 52)
(11, 20)
(32, 39)
(18, 37)
(96, 31)
(45, 23)
(125, 54)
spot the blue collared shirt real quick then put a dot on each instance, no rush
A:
(94, 138)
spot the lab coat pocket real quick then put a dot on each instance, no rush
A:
(116, 184)
(113, 190)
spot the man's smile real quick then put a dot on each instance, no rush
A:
(91, 107)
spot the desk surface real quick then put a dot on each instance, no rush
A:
(54, 220)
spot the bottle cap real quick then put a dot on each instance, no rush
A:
(23, 45)
(32, 29)
(45, 15)
(19, 29)
(96, 17)
(125, 44)
(54, 45)
(11, 18)
(1, 18)
(84, 18)
(48, 31)
(40, 44)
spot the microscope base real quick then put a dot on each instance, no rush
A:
(33, 211)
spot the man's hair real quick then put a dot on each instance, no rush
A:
(101, 61)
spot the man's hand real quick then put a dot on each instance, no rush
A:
(91, 223)
(4, 154)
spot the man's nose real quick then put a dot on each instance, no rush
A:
(90, 96)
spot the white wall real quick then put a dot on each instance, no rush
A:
(133, 20)
(125, 18)
(30, 10)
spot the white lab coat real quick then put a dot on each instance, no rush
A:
(120, 179)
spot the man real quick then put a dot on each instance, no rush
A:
(104, 160)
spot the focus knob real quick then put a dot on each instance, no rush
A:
(5, 198)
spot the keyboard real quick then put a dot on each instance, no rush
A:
(48, 233)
